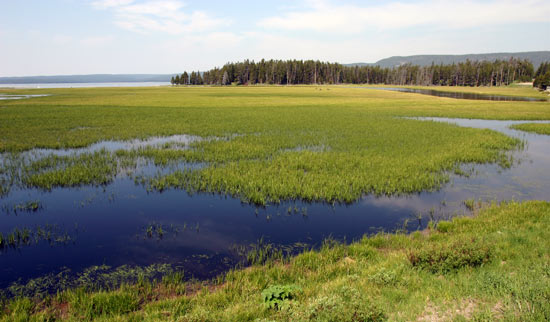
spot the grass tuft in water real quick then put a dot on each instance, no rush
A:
(538, 128)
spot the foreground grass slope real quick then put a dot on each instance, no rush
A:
(493, 266)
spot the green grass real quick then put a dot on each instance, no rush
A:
(493, 266)
(266, 144)
(79, 117)
(539, 128)
(92, 168)
(262, 144)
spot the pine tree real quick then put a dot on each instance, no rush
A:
(225, 78)
(185, 78)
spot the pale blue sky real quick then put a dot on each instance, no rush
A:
(60, 37)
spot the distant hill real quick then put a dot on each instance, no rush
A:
(536, 57)
(97, 78)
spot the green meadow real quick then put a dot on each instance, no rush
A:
(314, 143)
(261, 144)
(77, 117)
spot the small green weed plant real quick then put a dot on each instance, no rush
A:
(276, 296)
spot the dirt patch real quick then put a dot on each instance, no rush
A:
(434, 313)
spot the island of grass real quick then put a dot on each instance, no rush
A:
(493, 266)
(538, 128)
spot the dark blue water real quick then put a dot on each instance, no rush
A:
(108, 224)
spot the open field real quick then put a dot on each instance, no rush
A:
(78, 117)
(262, 144)
(490, 267)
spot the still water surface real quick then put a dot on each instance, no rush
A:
(460, 95)
(19, 97)
(108, 225)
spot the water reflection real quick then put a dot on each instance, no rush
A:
(460, 95)
(18, 97)
(175, 142)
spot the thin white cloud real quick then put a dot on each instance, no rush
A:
(97, 41)
(324, 16)
(104, 4)
(165, 16)
(89, 41)
(61, 39)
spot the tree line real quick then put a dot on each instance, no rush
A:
(294, 72)
(542, 76)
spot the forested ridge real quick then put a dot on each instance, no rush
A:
(293, 72)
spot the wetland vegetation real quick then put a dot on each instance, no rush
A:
(288, 152)
(490, 267)
(539, 128)
(260, 144)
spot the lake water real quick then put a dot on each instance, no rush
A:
(81, 85)
(459, 95)
(108, 224)
(19, 97)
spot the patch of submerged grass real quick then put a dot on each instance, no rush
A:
(503, 275)
(19, 237)
(538, 128)
(93, 168)
(264, 253)
(92, 279)
(28, 206)
(4, 188)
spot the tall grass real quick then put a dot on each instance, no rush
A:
(538, 128)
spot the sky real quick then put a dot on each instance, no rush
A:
(68, 37)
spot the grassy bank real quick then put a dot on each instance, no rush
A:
(262, 144)
(533, 128)
(494, 266)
